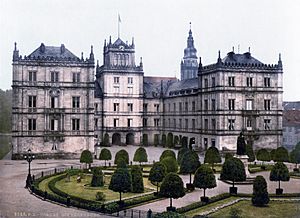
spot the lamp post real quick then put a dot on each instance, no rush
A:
(29, 157)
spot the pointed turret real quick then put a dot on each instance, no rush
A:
(92, 58)
(132, 43)
(16, 53)
(219, 62)
(82, 56)
(141, 63)
(279, 61)
(200, 66)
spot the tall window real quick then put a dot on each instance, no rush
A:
(116, 107)
(186, 106)
(31, 124)
(76, 77)
(116, 122)
(267, 82)
(180, 107)
(174, 107)
(130, 80)
(213, 124)
(180, 123)
(193, 124)
(206, 105)
(32, 101)
(193, 106)
(54, 76)
(130, 107)
(53, 102)
(213, 81)
(116, 80)
(213, 104)
(249, 81)
(249, 104)
(145, 107)
(156, 122)
(32, 76)
(156, 107)
(186, 124)
(267, 104)
(231, 104)
(231, 123)
(129, 122)
(206, 124)
(96, 122)
(231, 81)
(75, 124)
(54, 125)
(249, 124)
(75, 102)
(267, 124)
(145, 122)
(205, 83)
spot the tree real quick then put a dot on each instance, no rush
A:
(204, 178)
(171, 164)
(157, 173)
(279, 173)
(145, 139)
(180, 154)
(260, 192)
(122, 154)
(250, 152)
(86, 157)
(263, 155)
(189, 164)
(233, 170)
(295, 156)
(105, 155)
(212, 156)
(97, 179)
(121, 181)
(170, 140)
(172, 187)
(167, 153)
(137, 179)
(140, 155)
(272, 154)
(281, 155)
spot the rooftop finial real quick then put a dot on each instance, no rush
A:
(109, 39)
(219, 57)
(91, 49)
(232, 48)
(249, 49)
(279, 61)
(97, 63)
(141, 62)
(279, 56)
(15, 46)
(190, 32)
(82, 56)
(104, 42)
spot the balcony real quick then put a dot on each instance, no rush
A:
(54, 110)
(254, 113)
(53, 136)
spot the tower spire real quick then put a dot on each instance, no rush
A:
(119, 21)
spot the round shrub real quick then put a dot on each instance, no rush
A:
(122, 154)
(167, 153)
(100, 196)
(233, 170)
(260, 192)
(140, 155)
(97, 179)
(86, 157)
(137, 179)
(170, 164)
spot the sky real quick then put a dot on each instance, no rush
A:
(160, 29)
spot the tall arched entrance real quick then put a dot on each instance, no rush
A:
(116, 139)
(130, 139)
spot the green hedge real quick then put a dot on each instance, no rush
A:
(200, 204)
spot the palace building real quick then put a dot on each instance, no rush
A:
(59, 108)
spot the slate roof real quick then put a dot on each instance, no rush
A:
(152, 85)
(119, 42)
(183, 85)
(53, 52)
(245, 58)
(291, 118)
(98, 91)
(291, 105)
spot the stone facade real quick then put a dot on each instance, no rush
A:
(122, 106)
(53, 102)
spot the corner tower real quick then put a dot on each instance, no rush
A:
(189, 64)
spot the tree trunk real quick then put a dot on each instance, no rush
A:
(279, 184)
(190, 178)
(105, 163)
(170, 202)
(233, 183)
(120, 196)
(157, 187)
(204, 192)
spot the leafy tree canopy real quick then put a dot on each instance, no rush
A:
(205, 178)
(263, 155)
(172, 186)
(167, 153)
(180, 154)
(157, 172)
(121, 181)
(171, 164)
(140, 155)
(260, 192)
(122, 154)
(233, 170)
(281, 155)
(212, 156)
(189, 163)
(137, 179)
(105, 154)
(279, 172)
(86, 157)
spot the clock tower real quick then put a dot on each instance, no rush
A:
(121, 84)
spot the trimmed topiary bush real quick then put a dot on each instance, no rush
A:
(171, 164)
(140, 155)
(263, 155)
(281, 155)
(137, 179)
(105, 155)
(100, 196)
(205, 179)
(233, 170)
(167, 153)
(157, 173)
(122, 154)
(97, 179)
(86, 157)
(212, 156)
(181, 153)
(279, 173)
(260, 192)
(189, 163)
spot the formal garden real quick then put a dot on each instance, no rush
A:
(124, 182)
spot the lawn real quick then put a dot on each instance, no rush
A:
(83, 189)
(274, 209)
(208, 207)
(43, 185)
